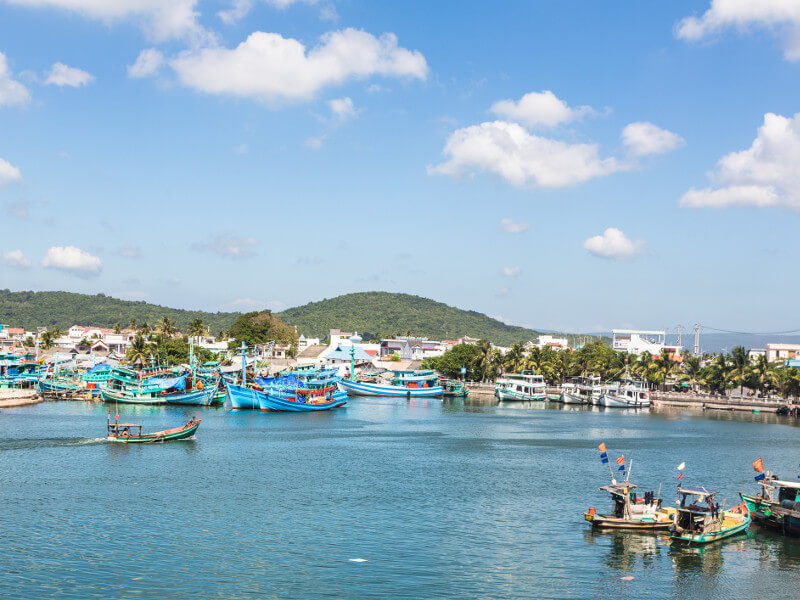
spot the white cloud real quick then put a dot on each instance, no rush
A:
(511, 271)
(8, 173)
(539, 109)
(278, 70)
(129, 251)
(19, 209)
(242, 149)
(231, 246)
(614, 244)
(148, 63)
(11, 91)
(512, 226)
(375, 88)
(61, 75)
(520, 157)
(315, 143)
(72, 260)
(643, 138)
(240, 8)
(764, 175)
(16, 259)
(781, 17)
(342, 108)
(161, 20)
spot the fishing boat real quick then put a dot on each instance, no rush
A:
(579, 390)
(777, 505)
(699, 520)
(209, 373)
(643, 513)
(409, 384)
(156, 386)
(130, 433)
(19, 370)
(628, 394)
(454, 388)
(285, 393)
(525, 386)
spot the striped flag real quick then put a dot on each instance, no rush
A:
(621, 460)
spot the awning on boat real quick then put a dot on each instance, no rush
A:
(166, 383)
(284, 381)
(101, 367)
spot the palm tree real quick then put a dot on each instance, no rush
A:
(691, 368)
(117, 328)
(46, 340)
(166, 326)
(145, 329)
(132, 324)
(666, 365)
(515, 357)
(740, 366)
(717, 375)
(138, 352)
(484, 359)
(763, 374)
(196, 328)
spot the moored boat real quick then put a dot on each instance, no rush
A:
(777, 505)
(701, 521)
(628, 394)
(409, 384)
(454, 388)
(524, 387)
(642, 513)
(130, 433)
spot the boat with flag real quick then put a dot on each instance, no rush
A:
(287, 393)
(406, 384)
(454, 388)
(19, 370)
(156, 386)
(777, 505)
(525, 387)
(131, 433)
(630, 511)
(699, 520)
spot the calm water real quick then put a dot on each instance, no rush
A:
(439, 499)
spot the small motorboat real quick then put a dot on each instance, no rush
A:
(643, 513)
(700, 521)
(777, 505)
(130, 433)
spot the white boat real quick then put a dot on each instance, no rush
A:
(630, 394)
(522, 387)
(579, 390)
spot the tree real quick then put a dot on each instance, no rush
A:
(666, 365)
(691, 369)
(166, 326)
(145, 329)
(132, 324)
(763, 374)
(139, 352)
(117, 328)
(740, 366)
(514, 358)
(451, 362)
(259, 328)
(196, 328)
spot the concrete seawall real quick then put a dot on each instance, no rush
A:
(12, 398)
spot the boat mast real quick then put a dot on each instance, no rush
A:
(244, 365)
(191, 360)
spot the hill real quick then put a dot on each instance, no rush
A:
(384, 314)
(64, 309)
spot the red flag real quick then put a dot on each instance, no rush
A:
(621, 460)
(602, 447)
(680, 476)
(758, 465)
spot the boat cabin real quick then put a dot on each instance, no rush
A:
(697, 511)
(627, 505)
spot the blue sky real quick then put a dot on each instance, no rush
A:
(570, 165)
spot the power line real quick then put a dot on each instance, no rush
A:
(751, 332)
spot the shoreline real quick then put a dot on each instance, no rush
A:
(14, 398)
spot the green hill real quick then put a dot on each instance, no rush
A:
(64, 309)
(383, 314)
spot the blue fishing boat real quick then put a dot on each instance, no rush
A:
(315, 391)
(19, 370)
(407, 384)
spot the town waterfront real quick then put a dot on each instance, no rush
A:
(385, 498)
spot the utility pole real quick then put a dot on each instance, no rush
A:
(680, 331)
(697, 339)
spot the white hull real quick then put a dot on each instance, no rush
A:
(505, 394)
(568, 398)
(622, 402)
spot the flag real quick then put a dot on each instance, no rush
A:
(621, 468)
(680, 476)
(758, 465)
(681, 466)
(760, 476)
(602, 447)
(621, 460)
(604, 458)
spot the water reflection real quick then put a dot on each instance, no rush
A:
(627, 550)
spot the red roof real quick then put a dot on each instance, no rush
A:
(370, 352)
(13, 330)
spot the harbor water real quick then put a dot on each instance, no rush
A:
(385, 498)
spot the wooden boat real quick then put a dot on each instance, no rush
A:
(702, 522)
(130, 433)
(628, 394)
(641, 513)
(405, 384)
(453, 388)
(285, 393)
(158, 386)
(777, 505)
(525, 387)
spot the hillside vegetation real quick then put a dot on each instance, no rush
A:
(64, 309)
(383, 314)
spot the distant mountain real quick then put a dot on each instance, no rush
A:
(64, 309)
(384, 314)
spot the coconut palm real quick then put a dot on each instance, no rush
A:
(717, 375)
(132, 324)
(196, 328)
(145, 329)
(138, 353)
(691, 369)
(740, 366)
(484, 360)
(515, 357)
(166, 326)
(762, 374)
(666, 365)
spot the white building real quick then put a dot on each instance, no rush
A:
(637, 341)
(782, 351)
(550, 341)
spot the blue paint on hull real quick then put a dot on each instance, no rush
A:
(374, 389)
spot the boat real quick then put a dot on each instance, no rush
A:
(156, 386)
(130, 433)
(408, 384)
(454, 388)
(525, 386)
(285, 393)
(699, 520)
(628, 394)
(19, 370)
(641, 513)
(777, 505)
(208, 373)
(579, 390)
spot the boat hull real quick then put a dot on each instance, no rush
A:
(610, 400)
(761, 511)
(610, 522)
(195, 398)
(701, 539)
(274, 403)
(568, 398)
(355, 388)
(242, 398)
(179, 433)
(511, 395)
(121, 398)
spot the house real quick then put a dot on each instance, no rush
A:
(754, 353)
(782, 352)
(637, 341)
(303, 342)
(412, 348)
(556, 343)
(343, 355)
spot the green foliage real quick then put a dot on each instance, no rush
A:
(451, 362)
(64, 309)
(259, 328)
(164, 350)
(396, 358)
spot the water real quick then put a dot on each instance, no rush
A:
(435, 500)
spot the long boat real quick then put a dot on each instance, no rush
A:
(315, 392)
(777, 505)
(641, 513)
(130, 433)
(629, 394)
(702, 522)
(526, 386)
(405, 384)
(156, 386)
(19, 370)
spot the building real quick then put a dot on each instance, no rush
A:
(754, 353)
(638, 341)
(412, 348)
(11, 337)
(303, 342)
(782, 352)
(550, 341)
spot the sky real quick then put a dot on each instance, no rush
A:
(570, 165)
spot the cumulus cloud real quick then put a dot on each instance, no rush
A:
(277, 70)
(148, 63)
(521, 158)
(240, 8)
(16, 259)
(129, 251)
(614, 244)
(231, 246)
(8, 173)
(161, 20)
(764, 175)
(643, 138)
(781, 17)
(61, 75)
(12, 92)
(539, 109)
(511, 271)
(315, 143)
(72, 260)
(342, 108)
(512, 226)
